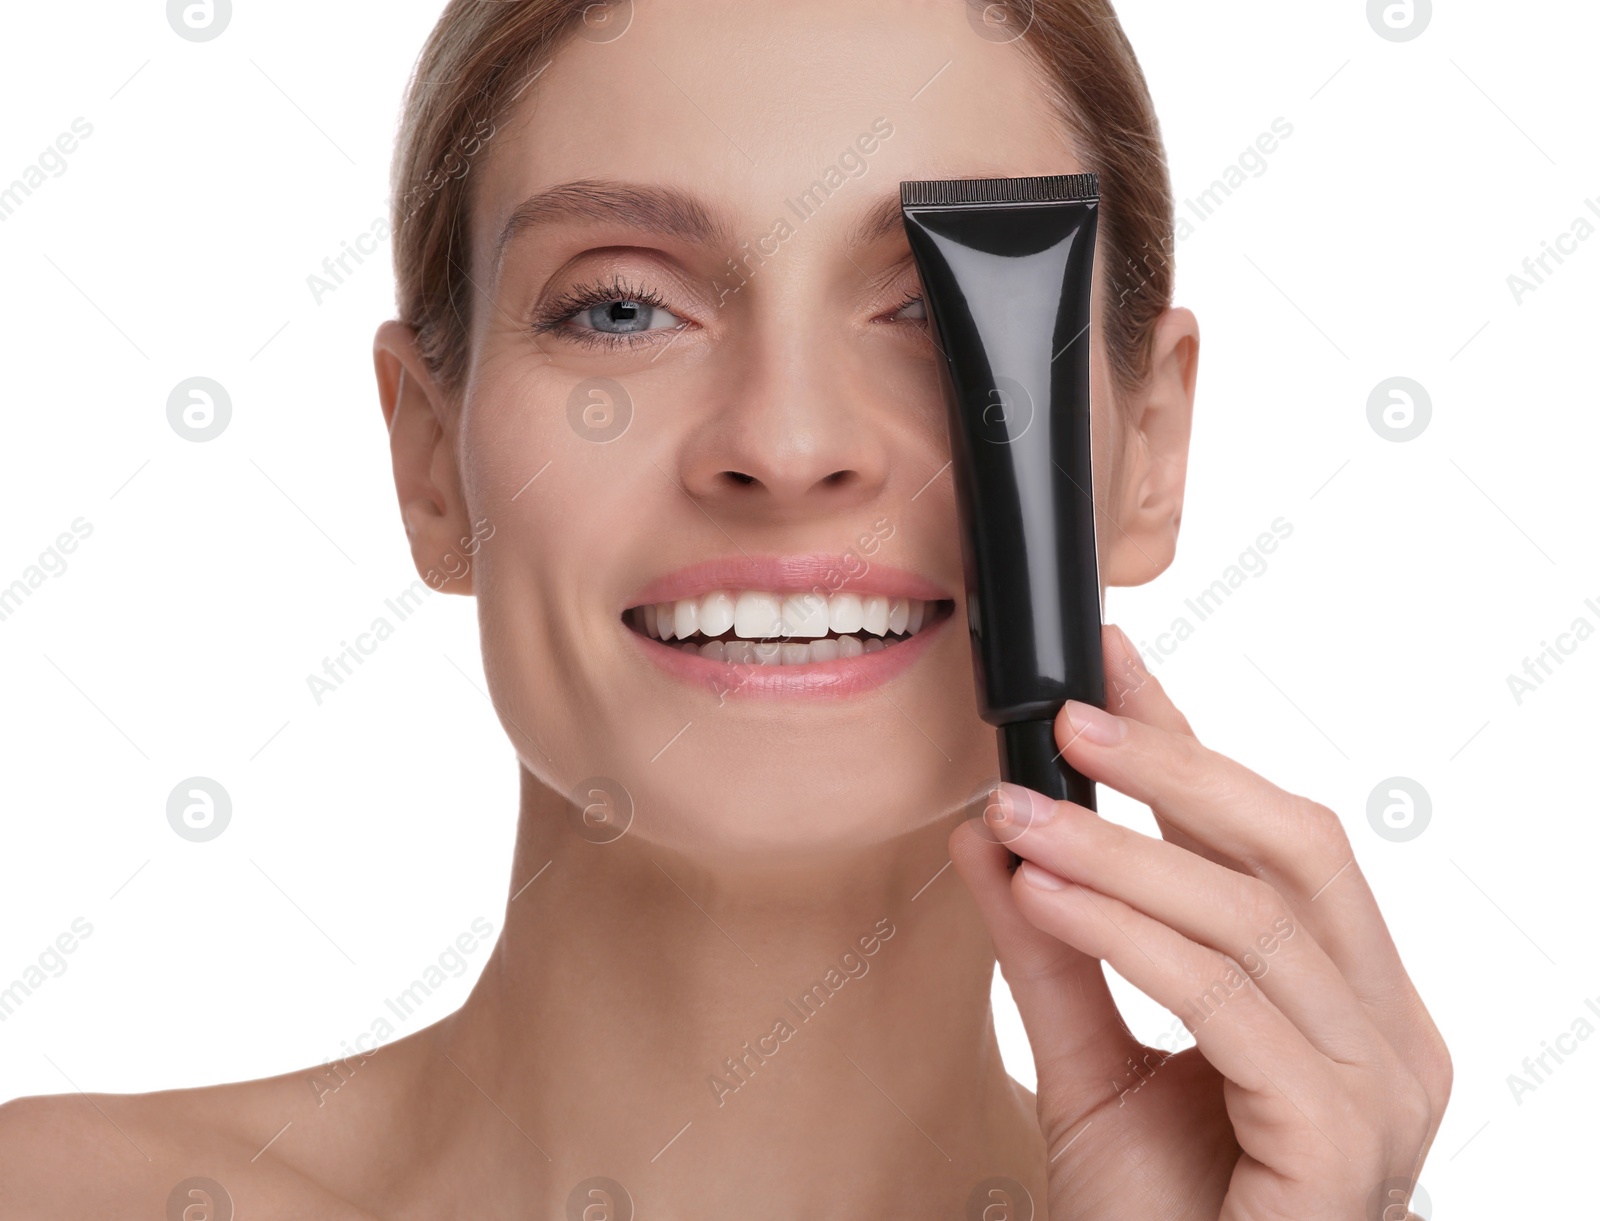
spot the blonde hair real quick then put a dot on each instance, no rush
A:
(481, 58)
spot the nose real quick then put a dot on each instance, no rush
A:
(792, 429)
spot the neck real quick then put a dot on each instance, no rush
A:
(709, 1033)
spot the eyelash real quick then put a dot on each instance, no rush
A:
(554, 317)
(559, 312)
(911, 298)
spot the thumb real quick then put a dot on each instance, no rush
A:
(1079, 1040)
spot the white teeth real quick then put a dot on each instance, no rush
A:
(792, 628)
(685, 618)
(844, 613)
(824, 650)
(757, 616)
(716, 613)
(805, 615)
(875, 614)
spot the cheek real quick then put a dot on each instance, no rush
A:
(554, 515)
(576, 523)
(549, 639)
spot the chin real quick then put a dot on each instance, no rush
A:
(765, 783)
(651, 734)
(799, 806)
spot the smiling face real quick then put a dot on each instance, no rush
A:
(702, 405)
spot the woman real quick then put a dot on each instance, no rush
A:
(660, 361)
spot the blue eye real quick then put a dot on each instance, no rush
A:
(606, 314)
(615, 313)
(620, 317)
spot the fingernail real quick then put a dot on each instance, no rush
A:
(1042, 878)
(1024, 807)
(1095, 724)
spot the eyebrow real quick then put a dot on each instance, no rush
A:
(662, 209)
(878, 221)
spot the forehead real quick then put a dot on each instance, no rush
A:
(746, 104)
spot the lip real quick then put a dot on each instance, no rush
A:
(791, 574)
(838, 679)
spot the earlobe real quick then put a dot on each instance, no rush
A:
(1149, 508)
(427, 479)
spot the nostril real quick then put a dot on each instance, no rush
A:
(836, 479)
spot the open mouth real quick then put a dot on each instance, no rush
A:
(752, 627)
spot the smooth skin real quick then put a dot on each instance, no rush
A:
(771, 836)
(1317, 1079)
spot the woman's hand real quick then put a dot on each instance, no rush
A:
(1317, 1079)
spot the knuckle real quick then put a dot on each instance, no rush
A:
(1322, 825)
(1194, 768)
(1415, 1109)
(1437, 1074)
(1258, 906)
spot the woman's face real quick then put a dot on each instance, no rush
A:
(770, 422)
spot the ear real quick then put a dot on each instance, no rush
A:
(421, 427)
(1155, 456)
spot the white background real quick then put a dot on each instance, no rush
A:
(370, 831)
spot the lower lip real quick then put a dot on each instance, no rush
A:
(838, 679)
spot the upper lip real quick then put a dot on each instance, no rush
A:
(825, 572)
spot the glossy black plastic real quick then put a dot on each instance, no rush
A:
(1007, 267)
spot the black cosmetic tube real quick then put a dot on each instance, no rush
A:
(1007, 268)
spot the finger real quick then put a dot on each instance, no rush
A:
(1243, 1035)
(1078, 1037)
(1132, 691)
(1342, 911)
(1201, 792)
(1233, 913)
(1296, 845)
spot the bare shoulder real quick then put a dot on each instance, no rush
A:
(226, 1149)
